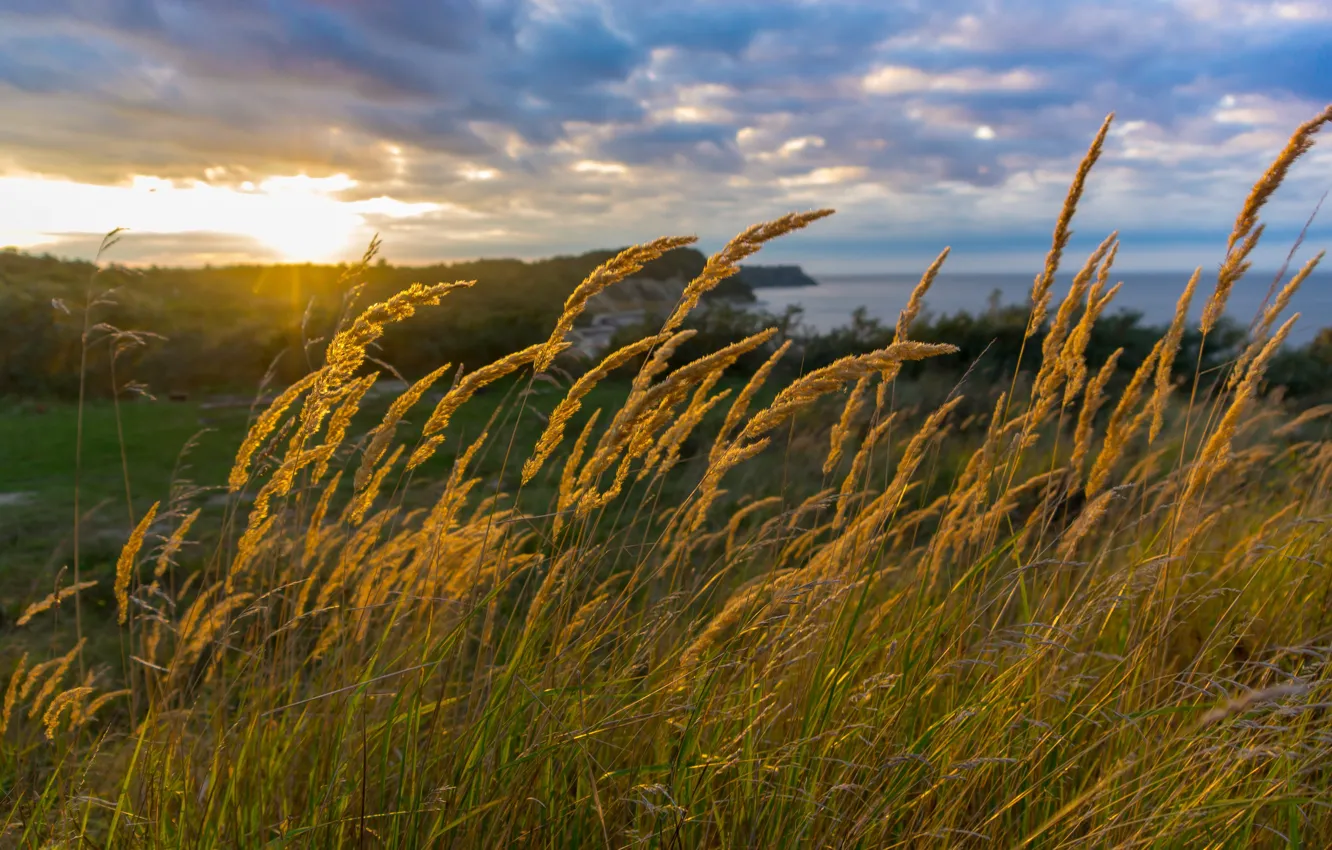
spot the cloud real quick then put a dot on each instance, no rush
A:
(903, 79)
(533, 125)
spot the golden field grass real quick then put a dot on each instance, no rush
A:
(1044, 615)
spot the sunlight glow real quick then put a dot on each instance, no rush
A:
(297, 216)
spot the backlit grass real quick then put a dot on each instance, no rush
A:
(1039, 614)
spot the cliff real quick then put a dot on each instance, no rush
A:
(764, 277)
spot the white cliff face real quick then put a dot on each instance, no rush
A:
(629, 302)
(637, 294)
(625, 304)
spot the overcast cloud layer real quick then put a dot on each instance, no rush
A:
(535, 127)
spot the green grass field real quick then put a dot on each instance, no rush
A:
(188, 448)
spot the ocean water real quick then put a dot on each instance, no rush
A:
(1154, 294)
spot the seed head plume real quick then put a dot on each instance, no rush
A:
(346, 352)
(1055, 361)
(1092, 398)
(358, 506)
(314, 531)
(125, 564)
(266, 423)
(643, 402)
(1040, 291)
(61, 666)
(726, 262)
(87, 713)
(855, 402)
(383, 433)
(466, 388)
(12, 693)
(569, 494)
(349, 404)
(666, 453)
(917, 299)
(52, 600)
(573, 401)
(1075, 350)
(622, 265)
(1215, 454)
(1120, 428)
(69, 700)
(736, 414)
(1086, 521)
(814, 385)
(1166, 362)
(859, 467)
(1269, 317)
(1247, 231)
(174, 542)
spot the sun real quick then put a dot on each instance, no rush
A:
(290, 218)
(300, 218)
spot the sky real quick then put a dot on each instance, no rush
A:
(223, 131)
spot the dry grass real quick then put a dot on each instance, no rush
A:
(965, 640)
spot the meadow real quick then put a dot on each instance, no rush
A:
(750, 594)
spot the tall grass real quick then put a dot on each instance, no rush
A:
(819, 622)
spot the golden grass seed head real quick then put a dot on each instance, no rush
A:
(470, 384)
(666, 452)
(1090, 516)
(1092, 398)
(856, 477)
(725, 263)
(1076, 348)
(1244, 236)
(85, 715)
(424, 451)
(855, 402)
(263, 427)
(1316, 412)
(53, 681)
(1040, 291)
(573, 401)
(1118, 432)
(568, 493)
(1165, 363)
(917, 299)
(125, 564)
(624, 264)
(1057, 360)
(383, 433)
(739, 517)
(206, 627)
(364, 499)
(1287, 292)
(314, 530)
(174, 542)
(1268, 319)
(71, 700)
(1215, 452)
(708, 489)
(736, 413)
(53, 599)
(348, 406)
(12, 693)
(346, 353)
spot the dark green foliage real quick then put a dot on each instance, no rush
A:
(225, 327)
(1306, 371)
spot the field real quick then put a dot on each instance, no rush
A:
(661, 604)
(183, 448)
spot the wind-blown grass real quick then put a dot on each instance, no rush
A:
(1023, 627)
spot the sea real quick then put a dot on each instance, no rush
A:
(1154, 294)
